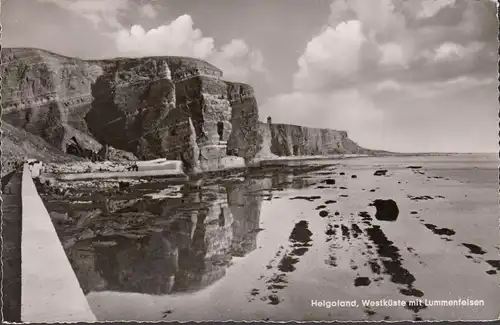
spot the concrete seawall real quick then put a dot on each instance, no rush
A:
(50, 291)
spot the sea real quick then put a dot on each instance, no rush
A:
(302, 243)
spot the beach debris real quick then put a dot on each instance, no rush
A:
(387, 210)
(380, 172)
(328, 181)
(354, 176)
(414, 167)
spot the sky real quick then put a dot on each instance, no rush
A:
(399, 75)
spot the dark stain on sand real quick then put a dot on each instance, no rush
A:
(300, 238)
(365, 216)
(474, 249)
(307, 198)
(300, 242)
(494, 263)
(439, 231)
(420, 198)
(392, 261)
(345, 232)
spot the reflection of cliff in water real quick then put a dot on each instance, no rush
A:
(173, 244)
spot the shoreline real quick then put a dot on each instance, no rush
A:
(155, 169)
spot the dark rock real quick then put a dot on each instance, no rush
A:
(323, 213)
(361, 281)
(380, 172)
(354, 176)
(387, 210)
(274, 299)
(123, 185)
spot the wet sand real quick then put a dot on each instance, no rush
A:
(263, 246)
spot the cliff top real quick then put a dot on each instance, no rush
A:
(175, 63)
(307, 127)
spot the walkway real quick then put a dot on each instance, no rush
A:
(50, 291)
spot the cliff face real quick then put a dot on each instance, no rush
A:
(172, 107)
(296, 140)
(153, 107)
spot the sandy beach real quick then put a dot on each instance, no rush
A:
(287, 245)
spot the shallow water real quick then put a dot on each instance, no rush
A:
(265, 245)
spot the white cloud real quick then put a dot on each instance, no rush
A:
(387, 85)
(430, 8)
(451, 51)
(97, 11)
(180, 37)
(177, 38)
(435, 88)
(392, 54)
(148, 10)
(334, 53)
(237, 60)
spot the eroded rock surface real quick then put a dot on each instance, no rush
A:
(153, 107)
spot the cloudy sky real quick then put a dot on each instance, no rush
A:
(402, 75)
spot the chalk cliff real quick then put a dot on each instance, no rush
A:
(168, 107)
